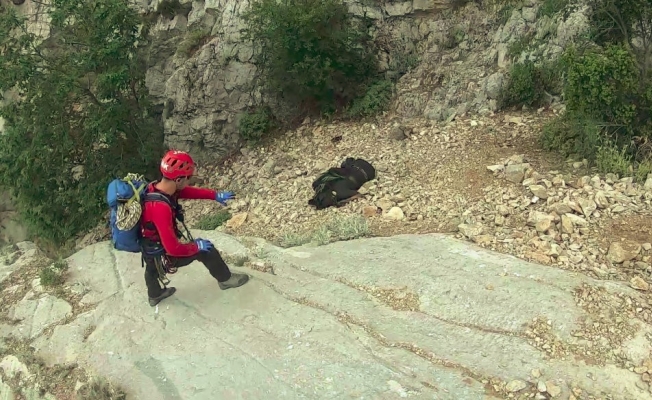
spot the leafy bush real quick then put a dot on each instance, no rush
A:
(213, 221)
(604, 84)
(255, 124)
(53, 275)
(528, 83)
(82, 116)
(313, 55)
(551, 7)
(608, 92)
(193, 40)
(376, 99)
(573, 134)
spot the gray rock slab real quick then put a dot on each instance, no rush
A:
(35, 315)
(311, 331)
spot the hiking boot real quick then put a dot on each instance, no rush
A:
(234, 281)
(167, 292)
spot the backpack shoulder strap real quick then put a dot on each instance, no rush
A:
(155, 196)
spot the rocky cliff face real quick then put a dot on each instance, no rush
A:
(456, 62)
(201, 72)
(465, 57)
(452, 61)
(203, 93)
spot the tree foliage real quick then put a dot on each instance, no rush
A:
(608, 90)
(81, 116)
(311, 54)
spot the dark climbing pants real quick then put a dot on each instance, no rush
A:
(212, 261)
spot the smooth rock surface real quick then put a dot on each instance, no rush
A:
(316, 329)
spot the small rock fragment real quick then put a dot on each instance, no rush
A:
(622, 251)
(567, 225)
(470, 230)
(369, 211)
(639, 283)
(539, 191)
(552, 389)
(541, 387)
(515, 386)
(395, 213)
(588, 206)
(515, 172)
(236, 221)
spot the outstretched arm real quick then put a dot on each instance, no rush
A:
(196, 193)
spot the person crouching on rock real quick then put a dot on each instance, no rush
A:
(160, 232)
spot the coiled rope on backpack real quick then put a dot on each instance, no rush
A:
(128, 213)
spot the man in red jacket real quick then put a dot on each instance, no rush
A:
(159, 229)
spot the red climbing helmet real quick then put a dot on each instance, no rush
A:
(176, 164)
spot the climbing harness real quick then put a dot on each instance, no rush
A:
(163, 265)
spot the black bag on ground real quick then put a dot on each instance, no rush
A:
(337, 186)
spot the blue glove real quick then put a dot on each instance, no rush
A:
(222, 197)
(204, 245)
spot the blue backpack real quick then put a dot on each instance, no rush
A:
(125, 198)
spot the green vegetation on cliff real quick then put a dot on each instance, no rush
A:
(606, 85)
(78, 113)
(312, 56)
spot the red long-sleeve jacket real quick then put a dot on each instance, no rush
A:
(159, 216)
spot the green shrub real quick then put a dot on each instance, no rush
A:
(551, 7)
(608, 92)
(520, 45)
(213, 221)
(376, 99)
(606, 107)
(609, 159)
(193, 40)
(84, 115)
(526, 85)
(604, 84)
(573, 134)
(53, 275)
(312, 55)
(253, 125)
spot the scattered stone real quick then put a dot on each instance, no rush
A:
(395, 213)
(541, 387)
(561, 208)
(639, 283)
(515, 172)
(567, 225)
(236, 220)
(588, 206)
(515, 386)
(541, 221)
(539, 191)
(622, 251)
(370, 211)
(601, 200)
(552, 389)
(397, 133)
(648, 182)
(496, 168)
(471, 230)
